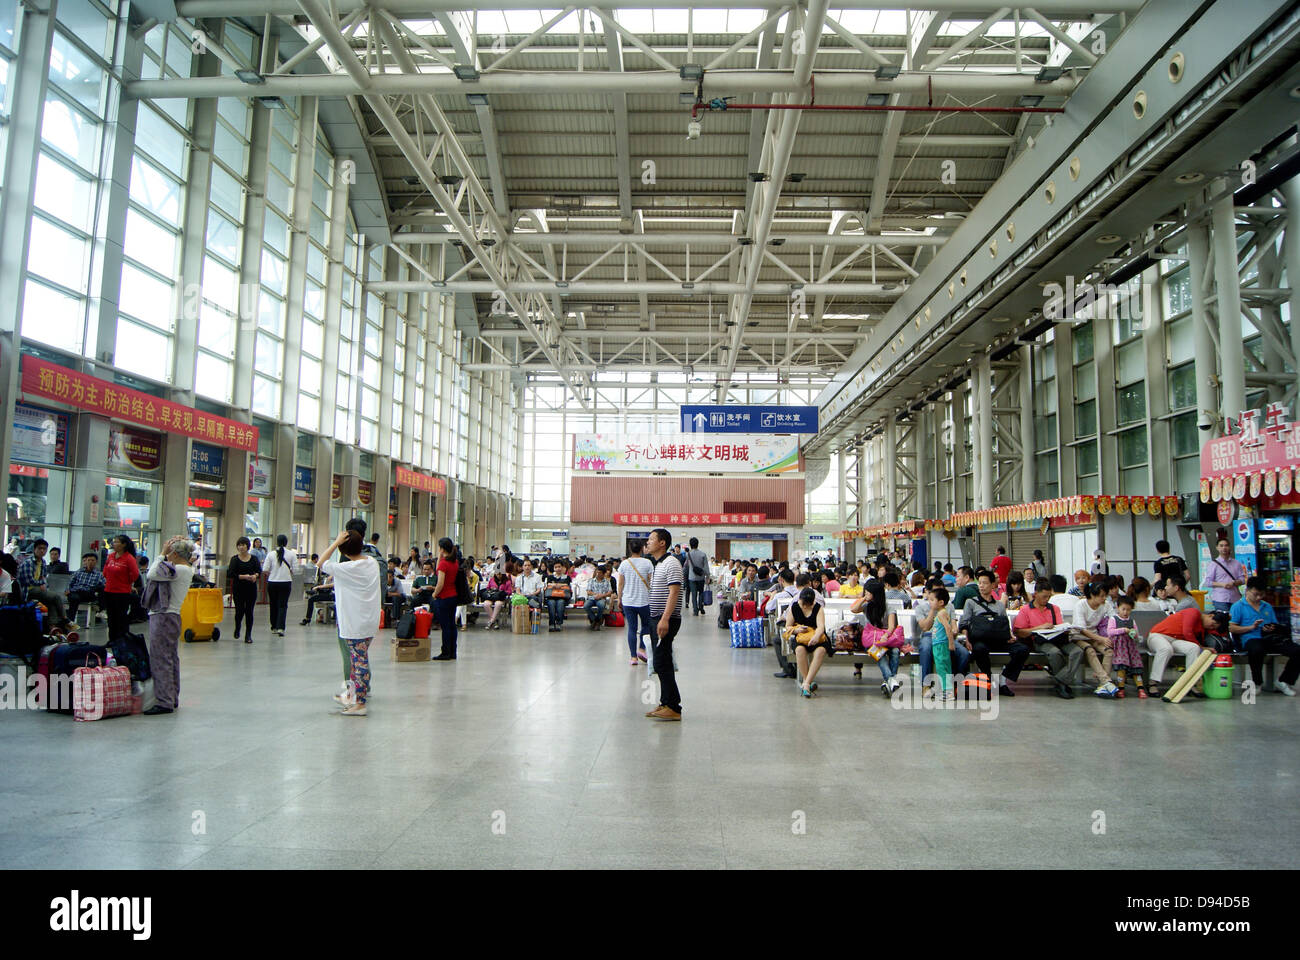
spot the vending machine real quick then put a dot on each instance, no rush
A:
(1276, 558)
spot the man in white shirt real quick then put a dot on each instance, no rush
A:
(633, 579)
(530, 585)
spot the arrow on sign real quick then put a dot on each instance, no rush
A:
(700, 420)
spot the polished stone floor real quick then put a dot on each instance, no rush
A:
(533, 751)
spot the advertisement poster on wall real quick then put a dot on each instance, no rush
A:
(302, 481)
(40, 436)
(365, 492)
(134, 451)
(685, 453)
(259, 477)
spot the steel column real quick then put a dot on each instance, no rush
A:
(1227, 283)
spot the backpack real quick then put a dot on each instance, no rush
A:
(20, 631)
(406, 626)
(988, 626)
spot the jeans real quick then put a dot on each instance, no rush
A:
(277, 592)
(555, 610)
(1223, 606)
(669, 695)
(695, 595)
(639, 625)
(958, 658)
(888, 663)
(1257, 649)
(445, 611)
(596, 609)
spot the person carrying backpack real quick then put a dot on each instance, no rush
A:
(697, 577)
(984, 627)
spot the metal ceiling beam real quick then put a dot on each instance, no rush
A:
(785, 124)
(855, 83)
(338, 45)
(584, 288)
(622, 138)
(631, 336)
(789, 241)
(420, 9)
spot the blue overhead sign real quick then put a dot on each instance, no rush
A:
(737, 418)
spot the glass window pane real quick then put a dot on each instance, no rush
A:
(58, 255)
(150, 244)
(309, 376)
(1133, 448)
(313, 336)
(1182, 387)
(314, 299)
(212, 377)
(266, 396)
(1181, 338)
(1130, 362)
(266, 355)
(227, 148)
(64, 194)
(146, 298)
(273, 272)
(53, 317)
(1178, 292)
(281, 155)
(156, 192)
(1132, 403)
(69, 130)
(217, 331)
(1082, 337)
(159, 139)
(223, 237)
(227, 193)
(1186, 438)
(1187, 474)
(308, 412)
(1134, 481)
(1086, 458)
(235, 113)
(275, 233)
(75, 73)
(270, 313)
(143, 350)
(220, 284)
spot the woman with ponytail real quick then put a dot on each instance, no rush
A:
(356, 608)
(444, 603)
(278, 568)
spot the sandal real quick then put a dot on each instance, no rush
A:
(805, 692)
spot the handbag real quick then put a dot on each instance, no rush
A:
(558, 591)
(873, 636)
(848, 638)
(99, 692)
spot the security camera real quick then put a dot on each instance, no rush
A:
(1204, 422)
(693, 129)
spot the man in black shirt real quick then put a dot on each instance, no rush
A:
(1168, 565)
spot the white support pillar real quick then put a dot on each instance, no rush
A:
(920, 444)
(843, 487)
(1207, 403)
(1028, 479)
(982, 437)
(889, 466)
(1227, 283)
(1291, 193)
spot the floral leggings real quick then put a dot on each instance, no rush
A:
(359, 650)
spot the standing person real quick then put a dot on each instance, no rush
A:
(1122, 632)
(174, 569)
(278, 567)
(1225, 578)
(241, 577)
(444, 604)
(1040, 566)
(121, 572)
(1253, 624)
(667, 600)
(258, 550)
(1168, 565)
(697, 576)
(1001, 565)
(84, 587)
(634, 575)
(356, 608)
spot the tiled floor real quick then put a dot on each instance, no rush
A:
(532, 751)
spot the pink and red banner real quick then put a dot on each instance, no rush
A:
(53, 382)
(406, 477)
(690, 519)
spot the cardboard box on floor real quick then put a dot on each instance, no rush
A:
(422, 650)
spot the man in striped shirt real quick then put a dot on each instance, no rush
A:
(667, 594)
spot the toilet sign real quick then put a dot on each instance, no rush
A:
(741, 418)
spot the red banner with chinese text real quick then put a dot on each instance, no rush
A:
(81, 390)
(690, 519)
(405, 477)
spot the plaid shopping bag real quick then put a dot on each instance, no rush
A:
(100, 692)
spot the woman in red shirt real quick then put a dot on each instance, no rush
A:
(444, 596)
(121, 572)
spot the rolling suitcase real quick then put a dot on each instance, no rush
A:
(725, 608)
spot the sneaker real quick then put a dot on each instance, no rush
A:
(895, 683)
(355, 710)
(301, 623)
(1284, 688)
(946, 697)
(1107, 690)
(884, 688)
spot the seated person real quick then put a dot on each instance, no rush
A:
(1064, 657)
(500, 586)
(529, 583)
(394, 597)
(806, 619)
(982, 642)
(1088, 616)
(764, 581)
(85, 586)
(1254, 626)
(558, 590)
(1081, 579)
(1184, 631)
(423, 586)
(852, 587)
(894, 589)
(600, 597)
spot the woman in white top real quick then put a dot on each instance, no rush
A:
(356, 608)
(1089, 613)
(633, 581)
(278, 567)
(165, 625)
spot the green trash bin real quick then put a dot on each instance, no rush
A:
(1218, 679)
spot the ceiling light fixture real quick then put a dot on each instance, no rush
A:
(271, 103)
(888, 71)
(1189, 178)
(250, 77)
(877, 99)
(477, 99)
(758, 177)
(691, 71)
(1030, 100)
(1109, 238)
(465, 72)
(1049, 74)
